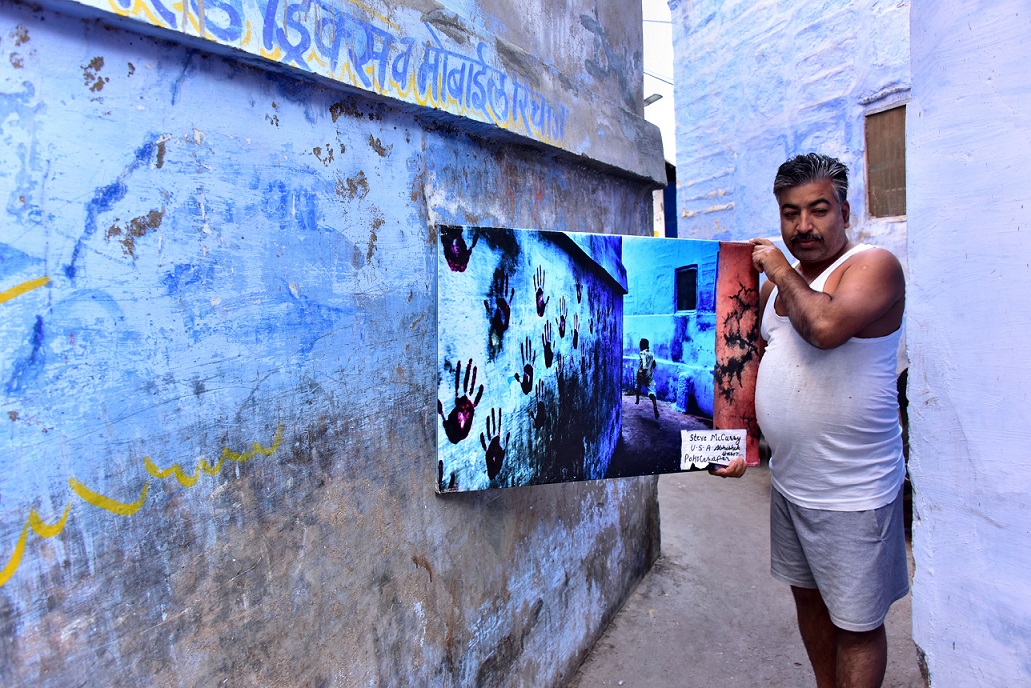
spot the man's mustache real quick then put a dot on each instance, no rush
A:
(806, 237)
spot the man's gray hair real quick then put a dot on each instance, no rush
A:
(812, 167)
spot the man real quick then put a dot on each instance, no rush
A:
(826, 402)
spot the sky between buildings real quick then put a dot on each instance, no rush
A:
(658, 72)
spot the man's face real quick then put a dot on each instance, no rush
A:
(812, 222)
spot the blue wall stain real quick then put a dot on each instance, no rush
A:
(29, 368)
(184, 275)
(104, 198)
(177, 84)
(18, 115)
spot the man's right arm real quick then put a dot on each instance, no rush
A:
(870, 291)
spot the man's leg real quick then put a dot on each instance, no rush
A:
(655, 404)
(862, 658)
(819, 634)
(840, 658)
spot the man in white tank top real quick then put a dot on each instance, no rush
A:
(826, 403)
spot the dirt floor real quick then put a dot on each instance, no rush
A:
(709, 614)
(650, 444)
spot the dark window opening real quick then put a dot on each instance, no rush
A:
(886, 162)
(687, 288)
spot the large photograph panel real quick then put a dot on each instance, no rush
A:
(568, 356)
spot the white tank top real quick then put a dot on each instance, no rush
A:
(830, 416)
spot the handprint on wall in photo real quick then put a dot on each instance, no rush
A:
(538, 412)
(459, 422)
(492, 445)
(528, 357)
(548, 340)
(538, 284)
(500, 312)
(456, 253)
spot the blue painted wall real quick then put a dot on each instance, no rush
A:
(759, 81)
(683, 342)
(217, 381)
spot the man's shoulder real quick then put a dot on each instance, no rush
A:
(874, 254)
(874, 262)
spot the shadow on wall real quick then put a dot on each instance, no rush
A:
(671, 303)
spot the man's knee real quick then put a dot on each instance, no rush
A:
(872, 636)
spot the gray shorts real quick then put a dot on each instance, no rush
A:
(856, 559)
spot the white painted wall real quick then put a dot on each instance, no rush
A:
(758, 81)
(969, 322)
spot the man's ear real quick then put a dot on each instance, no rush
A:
(845, 210)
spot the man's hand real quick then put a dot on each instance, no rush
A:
(769, 259)
(736, 469)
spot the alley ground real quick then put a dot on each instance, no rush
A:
(650, 444)
(709, 614)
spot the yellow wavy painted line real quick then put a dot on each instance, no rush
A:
(255, 449)
(45, 530)
(187, 480)
(42, 529)
(15, 560)
(106, 503)
(184, 479)
(23, 287)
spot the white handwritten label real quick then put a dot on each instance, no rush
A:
(699, 448)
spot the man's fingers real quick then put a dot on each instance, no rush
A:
(736, 469)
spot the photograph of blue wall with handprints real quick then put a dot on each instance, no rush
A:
(529, 354)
